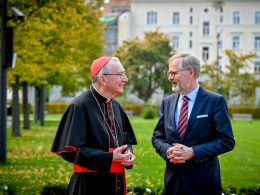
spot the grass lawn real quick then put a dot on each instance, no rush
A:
(31, 166)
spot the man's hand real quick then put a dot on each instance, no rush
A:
(179, 153)
(126, 158)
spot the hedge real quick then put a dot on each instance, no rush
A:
(60, 107)
(55, 107)
(137, 109)
(254, 110)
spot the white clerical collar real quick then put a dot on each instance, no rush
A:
(108, 99)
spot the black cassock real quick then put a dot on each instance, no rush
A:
(88, 128)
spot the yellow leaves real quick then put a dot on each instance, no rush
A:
(31, 165)
(65, 34)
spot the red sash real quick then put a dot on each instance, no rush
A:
(116, 167)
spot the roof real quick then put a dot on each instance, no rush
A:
(109, 19)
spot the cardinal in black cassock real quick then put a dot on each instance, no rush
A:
(95, 134)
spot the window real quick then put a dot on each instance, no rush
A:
(206, 10)
(257, 17)
(191, 19)
(111, 35)
(220, 44)
(221, 19)
(236, 17)
(151, 17)
(191, 10)
(175, 42)
(205, 28)
(118, 10)
(175, 18)
(257, 43)
(235, 42)
(257, 67)
(190, 34)
(190, 44)
(205, 53)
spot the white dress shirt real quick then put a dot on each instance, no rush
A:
(192, 97)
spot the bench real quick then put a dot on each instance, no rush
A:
(129, 112)
(242, 117)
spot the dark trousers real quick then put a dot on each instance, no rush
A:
(181, 190)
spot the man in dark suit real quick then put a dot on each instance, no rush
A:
(193, 129)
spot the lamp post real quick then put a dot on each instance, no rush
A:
(218, 64)
(6, 61)
(3, 82)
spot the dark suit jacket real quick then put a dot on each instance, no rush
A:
(208, 132)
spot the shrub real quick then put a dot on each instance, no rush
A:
(54, 190)
(55, 107)
(141, 190)
(149, 112)
(8, 190)
(254, 110)
(229, 190)
(9, 108)
(250, 191)
(137, 109)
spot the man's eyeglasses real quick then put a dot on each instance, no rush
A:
(121, 75)
(174, 73)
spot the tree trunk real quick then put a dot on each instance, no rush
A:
(36, 106)
(15, 109)
(26, 108)
(42, 105)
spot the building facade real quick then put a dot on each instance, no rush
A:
(204, 27)
(111, 12)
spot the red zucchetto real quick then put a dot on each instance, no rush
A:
(98, 64)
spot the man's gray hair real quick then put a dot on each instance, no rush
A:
(188, 60)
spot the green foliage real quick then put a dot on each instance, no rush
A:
(57, 42)
(150, 112)
(146, 63)
(7, 190)
(54, 189)
(55, 107)
(31, 167)
(216, 82)
(229, 190)
(210, 70)
(142, 190)
(137, 109)
(236, 81)
(250, 191)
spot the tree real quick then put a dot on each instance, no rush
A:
(26, 107)
(211, 72)
(15, 109)
(63, 37)
(56, 43)
(146, 63)
(237, 79)
(216, 80)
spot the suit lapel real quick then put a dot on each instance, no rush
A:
(172, 107)
(199, 103)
